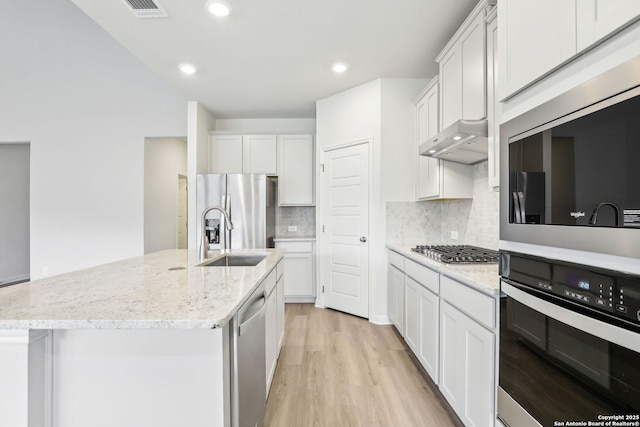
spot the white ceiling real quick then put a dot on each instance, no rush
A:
(272, 58)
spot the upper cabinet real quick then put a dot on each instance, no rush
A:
(259, 154)
(437, 179)
(289, 156)
(427, 185)
(463, 71)
(243, 154)
(296, 170)
(225, 153)
(537, 37)
(599, 18)
(493, 137)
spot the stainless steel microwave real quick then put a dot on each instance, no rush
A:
(570, 168)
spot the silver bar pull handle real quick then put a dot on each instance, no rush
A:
(516, 208)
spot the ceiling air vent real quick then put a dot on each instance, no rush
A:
(146, 9)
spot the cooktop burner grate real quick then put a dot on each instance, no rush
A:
(457, 254)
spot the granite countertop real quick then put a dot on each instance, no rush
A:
(483, 277)
(160, 290)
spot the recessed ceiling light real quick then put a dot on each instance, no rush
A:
(187, 68)
(218, 8)
(339, 67)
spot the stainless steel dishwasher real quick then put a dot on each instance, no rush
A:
(248, 392)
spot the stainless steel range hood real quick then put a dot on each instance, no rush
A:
(465, 141)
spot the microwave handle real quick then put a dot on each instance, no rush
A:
(516, 208)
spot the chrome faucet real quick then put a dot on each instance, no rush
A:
(594, 215)
(204, 246)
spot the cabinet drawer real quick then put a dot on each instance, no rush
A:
(295, 246)
(397, 260)
(474, 304)
(423, 275)
(270, 282)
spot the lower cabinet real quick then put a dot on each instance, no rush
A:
(300, 270)
(396, 298)
(450, 327)
(467, 378)
(274, 320)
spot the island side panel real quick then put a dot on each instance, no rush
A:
(25, 378)
(141, 377)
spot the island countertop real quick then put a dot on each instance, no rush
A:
(164, 289)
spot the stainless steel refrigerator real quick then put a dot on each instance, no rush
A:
(250, 201)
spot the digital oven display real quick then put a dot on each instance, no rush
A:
(576, 281)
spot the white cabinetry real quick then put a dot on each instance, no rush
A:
(427, 120)
(243, 154)
(422, 315)
(437, 179)
(396, 291)
(598, 18)
(259, 154)
(462, 72)
(536, 37)
(295, 170)
(225, 153)
(493, 111)
(274, 320)
(467, 353)
(299, 265)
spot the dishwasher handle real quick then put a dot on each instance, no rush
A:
(255, 312)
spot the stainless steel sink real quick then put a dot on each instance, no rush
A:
(234, 260)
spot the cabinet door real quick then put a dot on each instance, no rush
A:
(534, 38)
(451, 350)
(412, 291)
(299, 271)
(295, 170)
(429, 333)
(428, 184)
(225, 153)
(599, 18)
(473, 74)
(260, 154)
(396, 298)
(467, 367)
(451, 87)
(492, 110)
(280, 286)
(479, 362)
(271, 342)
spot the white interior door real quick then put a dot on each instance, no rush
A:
(346, 227)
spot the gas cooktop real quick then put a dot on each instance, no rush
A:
(457, 254)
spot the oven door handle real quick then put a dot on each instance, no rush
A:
(589, 325)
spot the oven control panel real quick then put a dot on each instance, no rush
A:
(604, 290)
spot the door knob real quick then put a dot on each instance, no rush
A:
(363, 239)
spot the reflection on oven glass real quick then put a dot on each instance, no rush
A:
(557, 372)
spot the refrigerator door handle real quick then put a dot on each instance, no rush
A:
(226, 205)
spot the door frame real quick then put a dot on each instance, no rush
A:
(322, 244)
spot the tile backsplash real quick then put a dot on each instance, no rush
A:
(476, 220)
(302, 217)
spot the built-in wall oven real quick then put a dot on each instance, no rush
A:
(569, 344)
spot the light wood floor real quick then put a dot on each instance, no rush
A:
(340, 370)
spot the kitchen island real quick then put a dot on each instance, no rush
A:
(139, 342)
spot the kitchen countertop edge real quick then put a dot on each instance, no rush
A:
(233, 285)
(476, 276)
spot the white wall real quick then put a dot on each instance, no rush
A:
(201, 121)
(381, 111)
(86, 105)
(14, 212)
(164, 160)
(267, 125)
